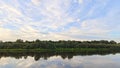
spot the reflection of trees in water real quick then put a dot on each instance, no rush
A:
(46, 55)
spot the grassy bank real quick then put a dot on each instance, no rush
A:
(57, 50)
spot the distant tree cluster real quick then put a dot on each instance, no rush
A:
(20, 44)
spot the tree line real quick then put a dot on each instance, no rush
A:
(37, 44)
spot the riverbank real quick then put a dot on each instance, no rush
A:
(60, 50)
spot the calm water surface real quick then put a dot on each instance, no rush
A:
(59, 61)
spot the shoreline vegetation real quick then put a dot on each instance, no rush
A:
(59, 46)
(55, 50)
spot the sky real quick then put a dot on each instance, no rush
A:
(60, 20)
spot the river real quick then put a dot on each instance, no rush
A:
(59, 60)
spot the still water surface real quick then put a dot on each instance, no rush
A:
(59, 61)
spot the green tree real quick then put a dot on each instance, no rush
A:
(19, 41)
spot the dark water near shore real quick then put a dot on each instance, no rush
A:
(59, 60)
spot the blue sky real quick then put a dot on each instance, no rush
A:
(60, 19)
